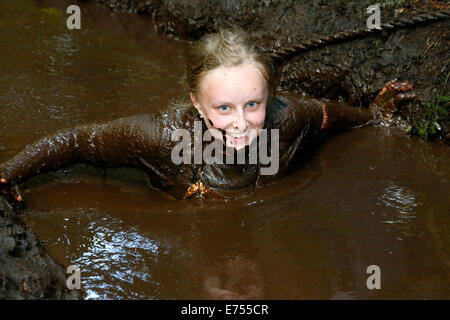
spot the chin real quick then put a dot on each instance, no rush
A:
(239, 147)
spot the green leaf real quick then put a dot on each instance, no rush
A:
(437, 126)
(52, 11)
(442, 111)
(444, 99)
(422, 132)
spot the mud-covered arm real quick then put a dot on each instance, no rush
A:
(339, 115)
(301, 119)
(122, 142)
(298, 119)
(301, 115)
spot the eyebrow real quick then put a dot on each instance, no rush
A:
(225, 103)
(214, 104)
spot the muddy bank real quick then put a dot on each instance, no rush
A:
(27, 271)
(353, 70)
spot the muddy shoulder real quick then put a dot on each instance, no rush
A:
(27, 271)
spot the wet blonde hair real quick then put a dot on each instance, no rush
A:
(225, 48)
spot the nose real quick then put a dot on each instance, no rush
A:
(239, 120)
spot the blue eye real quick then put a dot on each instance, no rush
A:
(252, 104)
(224, 108)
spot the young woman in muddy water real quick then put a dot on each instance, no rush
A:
(232, 93)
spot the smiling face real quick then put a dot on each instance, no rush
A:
(233, 99)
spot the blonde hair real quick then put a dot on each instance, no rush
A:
(225, 48)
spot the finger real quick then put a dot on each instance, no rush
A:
(406, 96)
(391, 82)
(17, 194)
(401, 86)
(3, 180)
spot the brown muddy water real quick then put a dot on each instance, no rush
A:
(372, 196)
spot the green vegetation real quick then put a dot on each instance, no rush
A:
(52, 11)
(429, 125)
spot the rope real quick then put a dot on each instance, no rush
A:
(322, 41)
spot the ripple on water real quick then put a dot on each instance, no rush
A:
(104, 258)
(402, 200)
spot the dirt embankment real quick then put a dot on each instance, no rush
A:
(27, 271)
(353, 70)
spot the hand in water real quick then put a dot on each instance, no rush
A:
(10, 191)
(393, 94)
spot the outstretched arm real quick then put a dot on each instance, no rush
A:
(338, 116)
(122, 142)
(300, 117)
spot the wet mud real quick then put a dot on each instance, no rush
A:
(27, 271)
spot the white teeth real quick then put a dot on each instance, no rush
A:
(241, 135)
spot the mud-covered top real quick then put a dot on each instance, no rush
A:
(145, 141)
(297, 118)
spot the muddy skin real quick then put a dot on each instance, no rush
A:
(144, 142)
(27, 271)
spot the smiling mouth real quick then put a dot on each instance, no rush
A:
(239, 136)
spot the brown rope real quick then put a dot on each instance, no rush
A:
(290, 51)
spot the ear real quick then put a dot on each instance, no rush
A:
(196, 104)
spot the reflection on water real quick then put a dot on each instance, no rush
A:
(401, 199)
(105, 255)
(369, 196)
(53, 77)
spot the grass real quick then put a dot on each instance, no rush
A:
(430, 125)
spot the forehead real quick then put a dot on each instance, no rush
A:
(237, 84)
